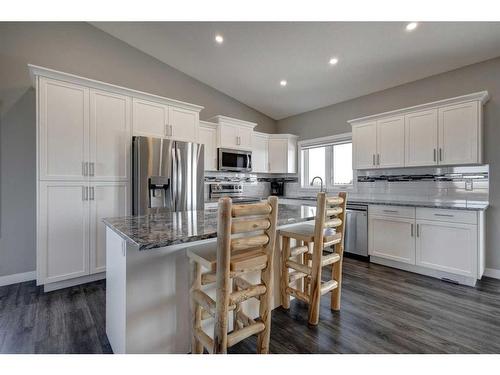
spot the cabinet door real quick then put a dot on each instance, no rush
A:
(449, 247)
(207, 136)
(184, 124)
(107, 199)
(292, 156)
(245, 138)
(364, 145)
(149, 118)
(278, 155)
(62, 231)
(228, 135)
(260, 149)
(63, 136)
(110, 136)
(391, 142)
(392, 238)
(421, 138)
(459, 133)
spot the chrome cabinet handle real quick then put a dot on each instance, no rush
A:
(444, 215)
(85, 193)
(394, 211)
(92, 192)
(411, 230)
(434, 157)
(418, 230)
(378, 159)
(440, 154)
(92, 169)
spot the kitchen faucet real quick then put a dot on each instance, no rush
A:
(321, 180)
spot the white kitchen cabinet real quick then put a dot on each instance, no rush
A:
(208, 136)
(155, 119)
(84, 136)
(421, 138)
(391, 142)
(234, 133)
(282, 154)
(150, 118)
(184, 124)
(459, 134)
(446, 132)
(110, 134)
(447, 246)
(63, 231)
(443, 243)
(260, 151)
(106, 199)
(364, 145)
(392, 238)
(63, 131)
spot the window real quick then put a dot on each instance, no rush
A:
(329, 158)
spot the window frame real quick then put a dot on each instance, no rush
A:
(333, 140)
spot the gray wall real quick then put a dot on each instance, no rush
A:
(81, 49)
(482, 76)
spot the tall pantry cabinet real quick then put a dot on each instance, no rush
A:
(84, 138)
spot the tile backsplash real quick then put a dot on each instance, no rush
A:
(447, 183)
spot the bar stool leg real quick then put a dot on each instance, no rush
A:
(196, 346)
(285, 254)
(315, 287)
(307, 258)
(337, 276)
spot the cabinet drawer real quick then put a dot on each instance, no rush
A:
(454, 216)
(395, 211)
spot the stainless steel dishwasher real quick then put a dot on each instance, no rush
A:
(356, 230)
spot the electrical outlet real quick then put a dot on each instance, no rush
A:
(468, 185)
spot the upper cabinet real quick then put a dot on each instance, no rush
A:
(63, 132)
(421, 138)
(208, 136)
(460, 133)
(282, 154)
(447, 132)
(233, 133)
(260, 152)
(156, 119)
(379, 144)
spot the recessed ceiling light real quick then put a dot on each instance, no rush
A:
(333, 61)
(219, 39)
(283, 82)
(411, 26)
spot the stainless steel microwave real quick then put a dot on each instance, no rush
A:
(234, 160)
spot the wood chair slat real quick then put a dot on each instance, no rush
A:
(298, 267)
(244, 294)
(298, 294)
(244, 226)
(249, 242)
(235, 337)
(254, 209)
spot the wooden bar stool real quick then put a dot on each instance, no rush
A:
(246, 237)
(328, 230)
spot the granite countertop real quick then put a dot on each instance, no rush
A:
(430, 203)
(164, 228)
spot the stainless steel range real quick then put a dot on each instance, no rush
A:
(232, 190)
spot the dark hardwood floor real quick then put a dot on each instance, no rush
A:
(383, 311)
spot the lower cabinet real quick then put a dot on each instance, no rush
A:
(70, 232)
(446, 246)
(392, 238)
(437, 242)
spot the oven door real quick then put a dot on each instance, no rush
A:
(234, 160)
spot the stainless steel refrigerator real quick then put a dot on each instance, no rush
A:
(166, 174)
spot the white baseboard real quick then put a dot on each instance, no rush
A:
(491, 272)
(72, 282)
(17, 278)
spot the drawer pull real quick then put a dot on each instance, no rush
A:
(411, 230)
(418, 230)
(392, 211)
(444, 215)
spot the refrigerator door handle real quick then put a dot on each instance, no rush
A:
(173, 183)
(179, 179)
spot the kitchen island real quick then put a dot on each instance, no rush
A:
(148, 276)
